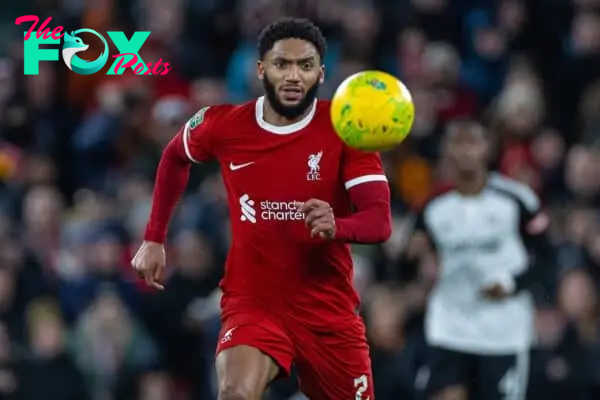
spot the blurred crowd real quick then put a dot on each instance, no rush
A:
(78, 156)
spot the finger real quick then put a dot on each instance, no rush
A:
(321, 227)
(327, 235)
(159, 273)
(151, 282)
(313, 203)
(317, 214)
(149, 278)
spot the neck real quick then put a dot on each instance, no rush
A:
(272, 117)
(473, 184)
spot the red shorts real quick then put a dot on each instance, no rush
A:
(330, 366)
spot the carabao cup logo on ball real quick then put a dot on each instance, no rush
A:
(74, 45)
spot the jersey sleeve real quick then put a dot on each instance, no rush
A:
(360, 167)
(198, 135)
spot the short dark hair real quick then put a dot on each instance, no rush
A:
(291, 28)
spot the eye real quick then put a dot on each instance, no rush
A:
(307, 65)
(279, 64)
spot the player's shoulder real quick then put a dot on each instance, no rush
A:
(220, 113)
(514, 190)
(437, 195)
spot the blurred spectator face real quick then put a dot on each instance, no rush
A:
(579, 225)
(511, 16)
(520, 107)
(208, 91)
(133, 191)
(42, 208)
(110, 317)
(586, 33)
(256, 14)
(577, 296)
(7, 287)
(163, 19)
(441, 63)
(467, 146)
(193, 254)
(47, 338)
(168, 115)
(111, 98)
(89, 205)
(106, 254)
(360, 23)
(489, 43)
(548, 149)
(155, 386)
(582, 171)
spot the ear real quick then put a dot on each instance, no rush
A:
(322, 74)
(260, 69)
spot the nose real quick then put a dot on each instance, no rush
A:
(293, 75)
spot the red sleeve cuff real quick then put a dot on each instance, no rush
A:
(372, 221)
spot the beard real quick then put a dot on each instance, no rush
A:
(289, 112)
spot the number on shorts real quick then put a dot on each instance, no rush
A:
(361, 384)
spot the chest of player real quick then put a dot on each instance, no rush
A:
(478, 225)
(281, 167)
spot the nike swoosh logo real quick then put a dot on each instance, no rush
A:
(234, 167)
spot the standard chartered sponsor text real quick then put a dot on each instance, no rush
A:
(280, 211)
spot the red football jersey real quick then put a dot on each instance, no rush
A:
(272, 260)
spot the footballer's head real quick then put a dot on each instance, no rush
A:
(467, 145)
(290, 64)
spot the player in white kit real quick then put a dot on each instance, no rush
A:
(480, 315)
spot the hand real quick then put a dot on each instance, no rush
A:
(495, 292)
(319, 218)
(149, 262)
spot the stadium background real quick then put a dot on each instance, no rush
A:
(78, 154)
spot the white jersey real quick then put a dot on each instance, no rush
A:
(479, 240)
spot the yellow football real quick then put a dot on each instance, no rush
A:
(372, 111)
